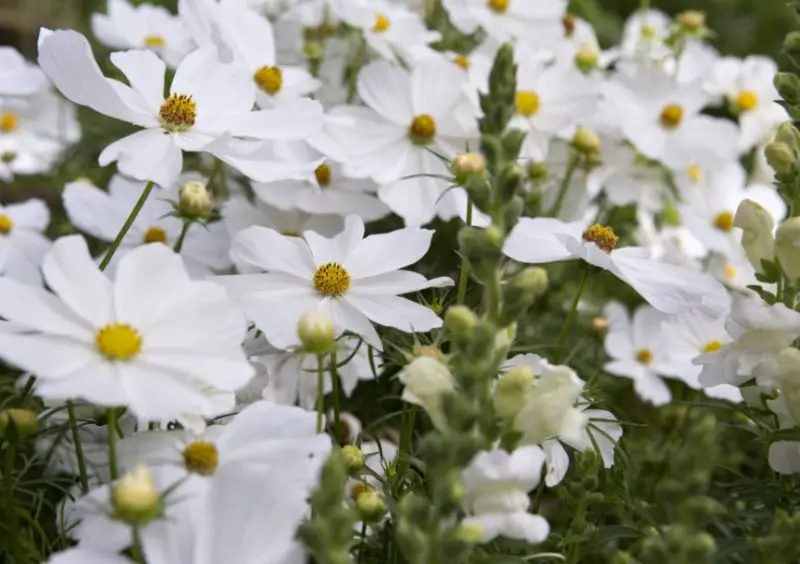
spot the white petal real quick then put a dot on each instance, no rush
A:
(35, 308)
(48, 356)
(92, 210)
(216, 88)
(31, 214)
(385, 88)
(396, 312)
(145, 73)
(436, 86)
(150, 154)
(269, 250)
(86, 556)
(536, 241)
(347, 317)
(386, 252)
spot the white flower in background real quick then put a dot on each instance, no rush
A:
(207, 100)
(734, 270)
(355, 280)
(145, 26)
(408, 115)
(747, 87)
(759, 333)
(101, 215)
(626, 178)
(672, 244)
(148, 341)
(18, 77)
(23, 245)
(644, 36)
(34, 131)
(250, 38)
(425, 380)
(670, 288)
(551, 99)
(496, 498)
(504, 20)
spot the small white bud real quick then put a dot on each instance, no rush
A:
(135, 498)
(194, 201)
(316, 332)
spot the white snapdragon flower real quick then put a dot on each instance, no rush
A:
(425, 379)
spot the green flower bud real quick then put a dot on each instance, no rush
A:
(194, 201)
(466, 165)
(788, 86)
(586, 141)
(781, 158)
(460, 321)
(316, 332)
(791, 45)
(586, 58)
(353, 458)
(370, 506)
(757, 226)
(18, 422)
(787, 133)
(538, 172)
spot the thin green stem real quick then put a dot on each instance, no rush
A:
(565, 182)
(179, 243)
(11, 506)
(76, 438)
(463, 279)
(562, 338)
(406, 440)
(320, 390)
(136, 547)
(112, 443)
(335, 385)
(127, 225)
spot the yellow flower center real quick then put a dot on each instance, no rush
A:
(178, 113)
(8, 157)
(499, 6)
(155, 234)
(331, 280)
(154, 41)
(5, 224)
(527, 103)
(8, 122)
(118, 341)
(730, 272)
(695, 173)
(290, 233)
(724, 221)
(201, 457)
(382, 23)
(422, 129)
(462, 61)
(671, 116)
(323, 174)
(602, 236)
(269, 79)
(568, 21)
(648, 31)
(746, 100)
(644, 356)
(712, 346)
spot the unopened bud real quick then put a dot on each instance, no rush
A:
(780, 157)
(586, 57)
(692, 20)
(787, 247)
(538, 172)
(469, 532)
(370, 506)
(788, 86)
(18, 422)
(135, 498)
(792, 43)
(316, 331)
(787, 133)
(194, 200)
(512, 391)
(586, 141)
(466, 164)
(599, 324)
(431, 351)
(353, 457)
(460, 321)
(8, 157)
(757, 226)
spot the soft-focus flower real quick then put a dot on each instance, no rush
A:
(17, 76)
(425, 380)
(504, 20)
(23, 245)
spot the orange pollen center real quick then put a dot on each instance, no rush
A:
(746, 100)
(422, 129)
(323, 174)
(602, 236)
(671, 116)
(724, 222)
(8, 122)
(178, 113)
(154, 41)
(382, 23)
(269, 79)
(499, 6)
(462, 61)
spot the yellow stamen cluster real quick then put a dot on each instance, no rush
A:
(422, 129)
(8, 122)
(6, 224)
(671, 116)
(178, 113)
(331, 280)
(382, 23)
(155, 234)
(323, 174)
(154, 41)
(644, 356)
(527, 103)
(746, 100)
(269, 79)
(201, 457)
(462, 61)
(648, 31)
(602, 236)
(118, 341)
(730, 272)
(695, 173)
(724, 221)
(712, 346)
(499, 6)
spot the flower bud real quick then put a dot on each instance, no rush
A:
(370, 506)
(599, 324)
(791, 45)
(353, 457)
(757, 226)
(586, 58)
(316, 332)
(780, 157)
(460, 321)
(194, 201)
(18, 422)
(788, 86)
(425, 380)
(466, 164)
(512, 391)
(469, 532)
(428, 350)
(787, 247)
(538, 172)
(586, 141)
(692, 20)
(135, 498)
(787, 133)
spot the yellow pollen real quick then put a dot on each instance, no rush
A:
(8, 122)
(422, 129)
(462, 61)
(746, 100)
(331, 280)
(154, 41)
(730, 272)
(118, 341)
(568, 21)
(5, 224)
(527, 103)
(382, 23)
(602, 236)
(671, 116)
(269, 79)
(499, 6)
(644, 356)
(323, 174)
(695, 173)
(648, 31)
(712, 346)
(201, 457)
(155, 234)
(724, 222)
(178, 113)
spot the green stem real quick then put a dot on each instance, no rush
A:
(406, 439)
(363, 541)
(464, 275)
(335, 385)
(127, 225)
(562, 190)
(562, 338)
(179, 243)
(76, 438)
(112, 443)
(136, 547)
(320, 390)
(11, 506)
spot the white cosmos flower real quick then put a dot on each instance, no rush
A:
(625, 179)
(504, 20)
(148, 341)
(18, 77)
(207, 99)
(145, 26)
(644, 36)
(101, 215)
(355, 280)
(23, 245)
(670, 288)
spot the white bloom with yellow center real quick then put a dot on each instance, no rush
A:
(355, 280)
(644, 36)
(145, 26)
(208, 101)
(149, 341)
(18, 77)
(504, 20)
(23, 245)
(101, 214)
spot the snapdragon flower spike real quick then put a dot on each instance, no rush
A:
(208, 100)
(670, 288)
